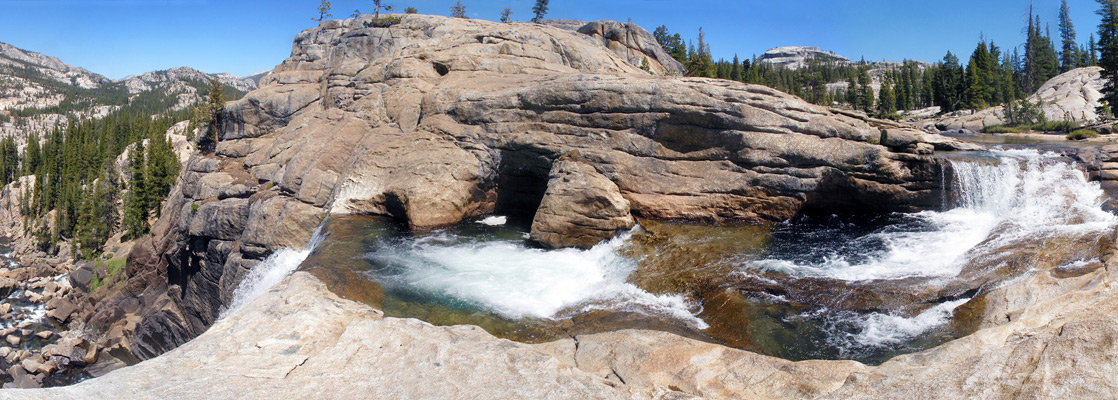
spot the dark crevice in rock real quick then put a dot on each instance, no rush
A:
(441, 68)
(522, 181)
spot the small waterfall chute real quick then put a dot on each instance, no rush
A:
(271, 271)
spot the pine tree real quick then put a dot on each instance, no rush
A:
(1092, 52)
(377, 6)
(458, 11)
(699, 62)
(887, 99)
(1069, 57)
(136, 201)
(208, 115)
(1108, 52)
(323, 11)
(735, 69)
(505, 15)
(539, 10)
(865, 92)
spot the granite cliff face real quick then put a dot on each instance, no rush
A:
(434, 120)
(1070, 96)
(796, 57)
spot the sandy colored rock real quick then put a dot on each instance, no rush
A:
(580, 208)
(1071, 96)
(13, 340)
(1060, 344)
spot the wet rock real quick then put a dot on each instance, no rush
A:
(580, 208)
(31, 364)
(13, 340)
(44, 334)
(5, 308)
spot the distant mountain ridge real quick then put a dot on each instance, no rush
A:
(39, 92)
(30, 80)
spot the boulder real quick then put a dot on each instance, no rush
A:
(580, 208)
(13, 340)
(62, 311)
(7, 286)
(81, 277)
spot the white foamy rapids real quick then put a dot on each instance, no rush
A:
(271, 271)
(515, 281)
(263, 276)
(1025, 195)
(494, 220)
(881, 330)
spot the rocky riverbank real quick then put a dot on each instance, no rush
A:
(1048, 336)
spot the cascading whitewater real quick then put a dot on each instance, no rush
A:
(1004, 201)
(1015, 195)
(508, 278)
(271, 271)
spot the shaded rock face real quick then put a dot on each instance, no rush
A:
(1070, 96)
(436, 120)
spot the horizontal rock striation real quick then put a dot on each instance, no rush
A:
(436, 120)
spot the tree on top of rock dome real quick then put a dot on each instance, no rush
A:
(458, 11)
(323, 11)
(540, 9)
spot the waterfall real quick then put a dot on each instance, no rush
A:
(1013, 196)
(271, 271)
(1005, 202)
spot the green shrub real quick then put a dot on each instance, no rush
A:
(1004, 129)
(193, 206)
(1055, 126)
(1082, 134)
(384, 22)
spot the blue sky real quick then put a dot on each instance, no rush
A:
(117, 38)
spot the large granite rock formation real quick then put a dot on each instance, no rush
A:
(796, 57)
(436, 120)
(627, 40)
(1070, 96)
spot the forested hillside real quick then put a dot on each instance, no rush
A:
(991, 75)
(94, 154)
